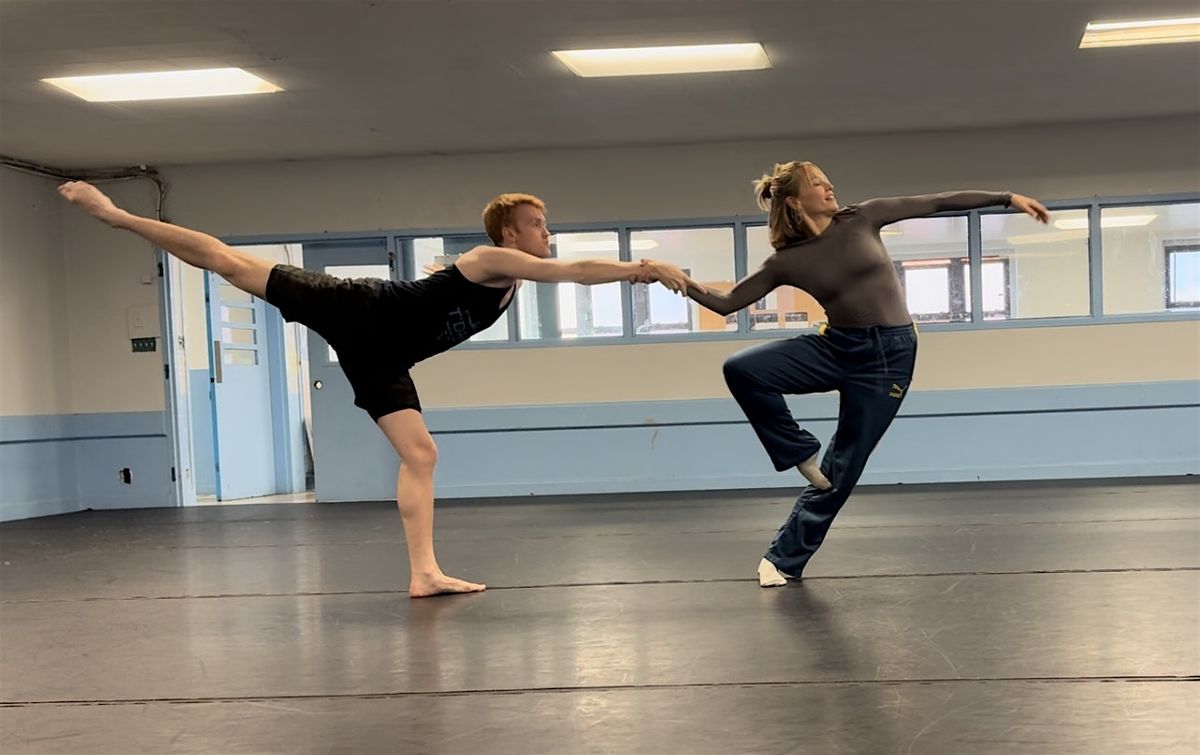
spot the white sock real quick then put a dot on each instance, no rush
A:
(769, 576)
(811, 469)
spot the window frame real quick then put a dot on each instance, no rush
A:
(399, 240)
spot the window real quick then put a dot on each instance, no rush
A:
(930, 255)
(785, 307)
(359, 271)
(940, 290)
(1047, 267)
(995, 289)
(706, 254)
(927, 290)
(1150, 255)
(1136, 246)
(569, 310)
(1183, 276)
(442, 251)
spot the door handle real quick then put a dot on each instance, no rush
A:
(217, 360)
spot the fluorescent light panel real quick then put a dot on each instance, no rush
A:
(1149, 32)
(648, 61)
(1047, 237)
(1071, 229)
(1107, 221)
(164, 85)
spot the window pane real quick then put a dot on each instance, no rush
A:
(706, 254)
(427, 252)
(442, 251)
(239, 336)
(1184, 274)
(569, 310)
(237, 315)
(995, 288)
(359, 271)
(1134, 244)
(931, 261)
(927, 291)
(240, 357)
(1048, 269)
(786, 307)
(231, 294)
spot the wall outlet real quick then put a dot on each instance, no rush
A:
(144, 344)
(143, 322)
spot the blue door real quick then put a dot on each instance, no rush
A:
(243, 437)
(350, 455)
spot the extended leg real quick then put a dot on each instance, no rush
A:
(193, 247)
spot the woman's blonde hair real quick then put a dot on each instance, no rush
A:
(786, 224)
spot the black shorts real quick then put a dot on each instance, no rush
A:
(346, 314)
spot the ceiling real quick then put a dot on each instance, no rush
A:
(371, 77)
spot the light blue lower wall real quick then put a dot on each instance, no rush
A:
(53, 464)
(940, 436)
(56, 464)
(37, 467)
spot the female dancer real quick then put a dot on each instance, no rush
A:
(866, 352)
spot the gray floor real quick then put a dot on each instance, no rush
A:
(1019, 618)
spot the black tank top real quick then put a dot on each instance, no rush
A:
(440, 312)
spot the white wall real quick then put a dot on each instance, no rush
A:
(106, 270)
(1072, 161)
(65, 289)
(1034, 357)
(1126, 158)
(195, 323)
(35, 363)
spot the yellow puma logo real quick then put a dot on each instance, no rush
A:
(897, 391)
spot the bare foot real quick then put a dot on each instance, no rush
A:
(811, 469)
(440, 584)
(95, 202)
(769, 576)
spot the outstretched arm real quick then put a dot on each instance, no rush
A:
(892, 209)
(748, 290)
(491, 262)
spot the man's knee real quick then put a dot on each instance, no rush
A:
(420, 455)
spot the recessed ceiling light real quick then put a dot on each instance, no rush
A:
(1047, 237)
(647, 61)
(1106, 221)
(1150, 32)
(164, 85)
